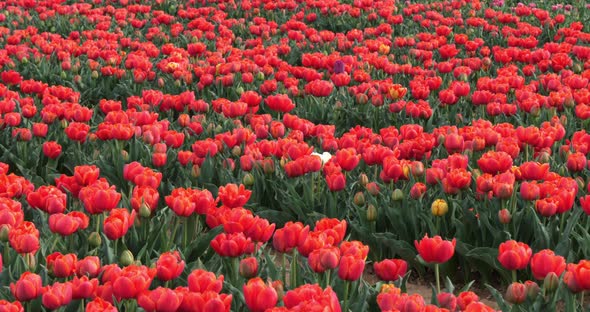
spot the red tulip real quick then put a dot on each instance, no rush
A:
(169, 266)
(259, 296)
(144, 195)
(89, 266)
(280, 102)
(325, 258)
(286, 238)
(545, 262)
(576, 162)
(57, 295)
(336, 182)
(232, 245)
(308, 297)
(51, 149)
(86, 175)
(495, 162)
(181, 201)
(84, 288)
(514, 255)
(11, 212)
(465, 298)
(118, 223)
(160, 300)
(67, 224)
(100, 305)
(334, 228)
(6, 306)
(248, 267)
(28, 287)
(351, 267)
(435, 249)
(61, 265)
(202, 281)
(581, 274)
(516, 293)
(99, 197)
(48, 198)
(390, 269)
(233, 196)
(24, 238)
(132, 280)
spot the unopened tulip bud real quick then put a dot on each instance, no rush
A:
(94, 239)
(236, 151)
(126, 258)
(439, 207)
(196, 171)
(4, 233)
(551, 282)
(373, 188)
(363, 179)
(124, 155)
(504, 216)
(260, 76)
(248, 179)
(240, 90)
(145, 211)
(31, 262)
(278, 286)
(372, 213)
(359, 199)
(397, 195)
(63, 123)
(516, 293)
(532, 289)
(94, 74)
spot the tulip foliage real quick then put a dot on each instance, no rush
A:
(283, 155)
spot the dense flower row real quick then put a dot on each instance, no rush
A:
(212, 156)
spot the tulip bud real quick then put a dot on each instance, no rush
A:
(417, 168)
(439, 207)
(94, 74)
(372, 188)
(551, 282)
(516, 293)
(532, 289)
(260, 76)
(580, 182)
(94, 239)
(236, 151)
(278, 286)
(248, 267)
(196, 171)
(363, 179)
(240, 90)
(126, 258)
(397, 195)
(31, 262)
(4, 233)
(359, 199)
(63, 123)
(248, 179)
(125, 155)
(504, 216)
(372, 213)
(144, 211)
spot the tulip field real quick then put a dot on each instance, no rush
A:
(294, 155)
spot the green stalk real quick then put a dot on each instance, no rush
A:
(293, 282)
(437, 274)
(235, 267)
(284, 269)
(185, 234)
(328, 277)
(514, 279)
(346, 290)
(171, 239)
(582, 299)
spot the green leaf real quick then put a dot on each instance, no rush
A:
(499, 299)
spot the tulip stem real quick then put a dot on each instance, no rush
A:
(514, 278)
(171, 240)
(582, 299)
(328, 277)
(293, 269)
(437, 275)
(185, 234)
(235, 266)
(284, 269)
(346, 290)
